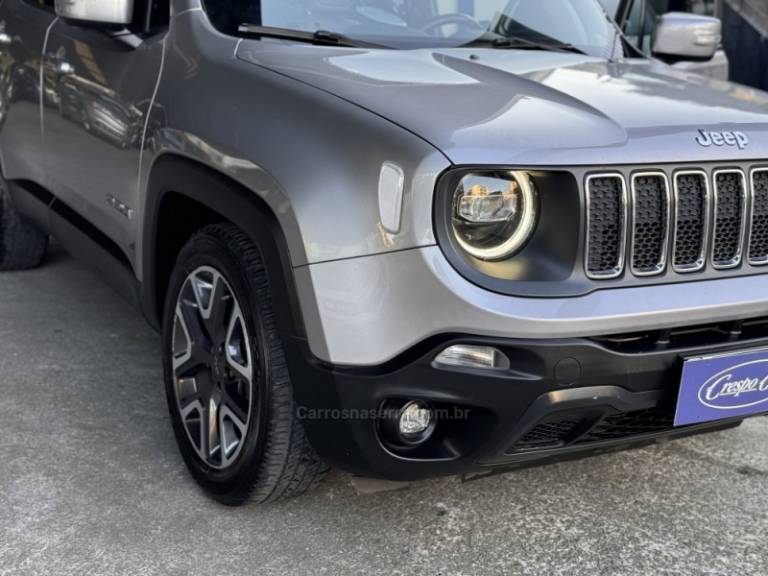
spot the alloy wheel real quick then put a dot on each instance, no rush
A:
(213, 367)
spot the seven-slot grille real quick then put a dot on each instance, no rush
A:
(691, 220)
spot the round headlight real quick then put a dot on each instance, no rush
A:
(494, 214)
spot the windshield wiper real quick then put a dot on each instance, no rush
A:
(321, 37)
(519, 43)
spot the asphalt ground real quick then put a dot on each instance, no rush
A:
(91, 482)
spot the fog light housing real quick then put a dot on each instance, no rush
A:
(415, 419)
(408, 423)
(469, 356)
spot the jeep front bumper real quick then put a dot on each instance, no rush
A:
(367, 311)
(615, 393)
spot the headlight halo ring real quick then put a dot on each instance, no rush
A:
(525, 226)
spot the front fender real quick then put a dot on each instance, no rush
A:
(312, 157)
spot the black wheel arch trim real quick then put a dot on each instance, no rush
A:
(233, 202)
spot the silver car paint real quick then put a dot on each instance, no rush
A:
(690, 35)
(373, 308)
(108, 11)
(21, 136)
(532, 108)
(94, 152)
(308, 128)
(314, 178)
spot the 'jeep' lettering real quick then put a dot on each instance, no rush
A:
(708, 139)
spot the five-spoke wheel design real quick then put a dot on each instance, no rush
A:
(213, 367)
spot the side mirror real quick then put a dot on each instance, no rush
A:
(111, 12)
(681, 36)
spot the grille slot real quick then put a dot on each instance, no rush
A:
(730, 208)
(630, 424)
(650, 223)
(606, 225)
(592, 426)
(758, 237)
(691, 219)
(547, 435)
(689, 337)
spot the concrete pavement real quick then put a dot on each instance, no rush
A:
(91, 483)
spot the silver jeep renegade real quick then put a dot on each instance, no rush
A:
(406, 238)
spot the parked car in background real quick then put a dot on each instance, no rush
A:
(407, 238)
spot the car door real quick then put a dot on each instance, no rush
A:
(104, 81)
(23, 25)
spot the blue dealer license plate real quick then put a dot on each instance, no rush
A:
(723, 386)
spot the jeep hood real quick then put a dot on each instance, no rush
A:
(532, 107)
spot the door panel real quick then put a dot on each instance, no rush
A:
(93, 128)
(23, 25)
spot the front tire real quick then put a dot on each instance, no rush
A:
(227, 382)
(22, 246)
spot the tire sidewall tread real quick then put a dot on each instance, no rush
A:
(281, 463)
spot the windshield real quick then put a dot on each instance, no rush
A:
(430, 23)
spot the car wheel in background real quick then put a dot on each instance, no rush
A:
(22, 246)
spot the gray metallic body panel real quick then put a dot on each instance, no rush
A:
(308, 128)
(319, 172)
(107, 11)
(21, 143)
(94, 120)
(534, 108)
(372, 309)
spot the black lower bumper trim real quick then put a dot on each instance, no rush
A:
(526, 415)
(577, 452)
(600, 419)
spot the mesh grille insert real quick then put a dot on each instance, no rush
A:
(650, 210)
(728, 218)
(546, 435)
(685, 219)
(628, 424)
(589, 426)
(758, 241)
(690, 221)
(606, 225)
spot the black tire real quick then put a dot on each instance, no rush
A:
(22, 246)
(275, 460)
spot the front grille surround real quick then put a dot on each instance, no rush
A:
(714, 220)
(615, 269)
(720, 228)
(677, 225)
(656, 265)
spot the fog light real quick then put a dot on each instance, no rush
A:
(465, 356)
(415, 419)
(407, 423)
